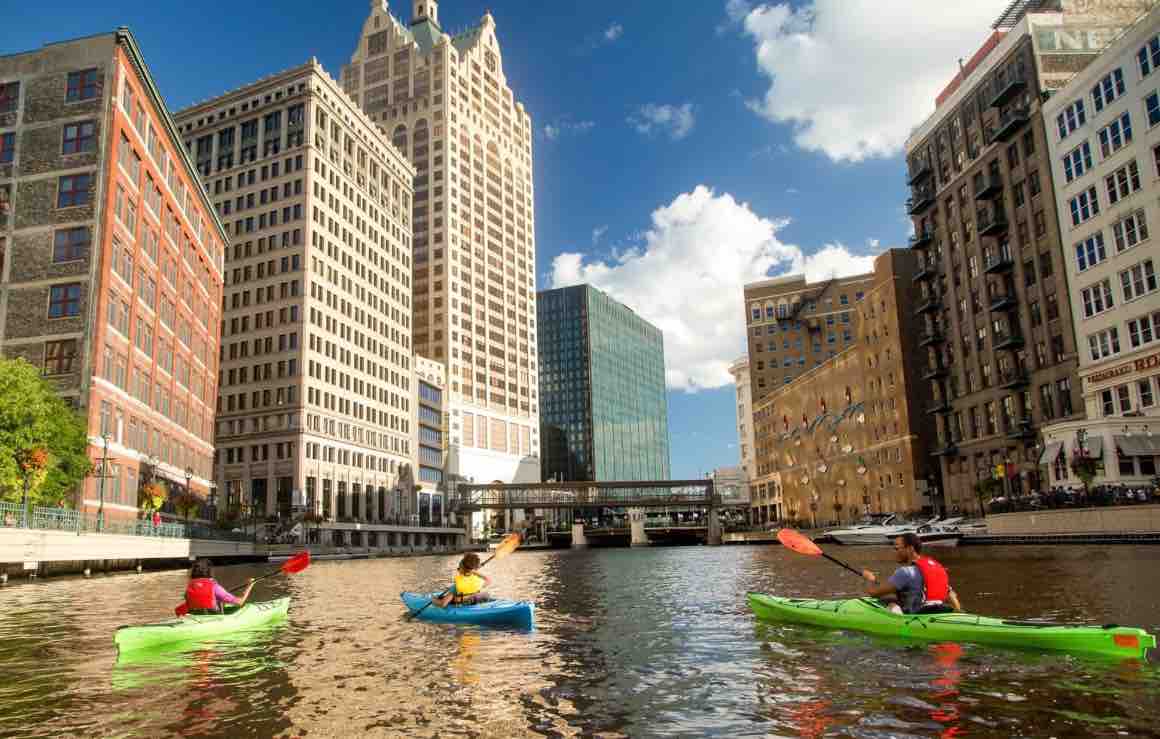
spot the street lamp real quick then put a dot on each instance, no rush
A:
(188, 496)
(101, 485)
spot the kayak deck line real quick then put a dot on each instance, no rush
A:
(871, 616)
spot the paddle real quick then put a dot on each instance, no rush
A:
(295, 564)
(506, 547)
(802, 545)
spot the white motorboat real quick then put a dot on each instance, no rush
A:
(877, 528)
(943, 533)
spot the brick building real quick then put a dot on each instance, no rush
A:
(112, 261)
(850, 435)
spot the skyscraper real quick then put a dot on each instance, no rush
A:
(316, 409)
(605, 413)
(444, 101)
(114, 262)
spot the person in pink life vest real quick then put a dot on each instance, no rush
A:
(919, 585)
(204, 595)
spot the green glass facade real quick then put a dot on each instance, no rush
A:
(603, 409)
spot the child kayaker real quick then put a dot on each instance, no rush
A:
(467, 589)
(920, 585)
(204, 595)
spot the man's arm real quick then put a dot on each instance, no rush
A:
(876, 589)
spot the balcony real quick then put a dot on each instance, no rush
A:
(987, 187)
(921, 171)
(925, 272)
(1010, 123)
(934, 373)
(929, 305)
(1014, 380)
(1008, 341)
(931, 337)
(920, 202)
(1007, 89)
(922, 238)
(1021, 429)
(998, 263)
(1003, 302)
(991, 222)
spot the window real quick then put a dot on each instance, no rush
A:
(1090, 251)
(74, 190)
(78, 138)
(1124, 395)
(70, 244)
(9, 96)
(1108, 403)
(1147, 400)
(1144, 330)
(1152, 103)
(1114, 135)
(81, 85)
(1104, 344)
(1123, 182)
(7, 147)
(59, 356)
(1149, 56)
(1072, 117)
(1108, 89)
(1139, 280)
(1077, 161)
(1097, 298)
(1063, 390)
(64, 300)
(1130, 231)
(1084, 206)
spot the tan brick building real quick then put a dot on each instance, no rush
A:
(316, 411)
(849, 435)
(445, 102)
(112, 261)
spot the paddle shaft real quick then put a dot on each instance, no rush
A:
(843, 564)
(448, 590)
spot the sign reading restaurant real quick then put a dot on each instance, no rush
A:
(1140, 365)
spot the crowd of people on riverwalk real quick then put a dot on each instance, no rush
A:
(1062, 497)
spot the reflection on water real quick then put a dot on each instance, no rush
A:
(654, 642)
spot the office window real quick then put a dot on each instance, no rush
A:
(1097, 298)
(1115, 135)
(7, 147)
(64, 300)
(1147, 400)
(59, 356)
(1072, 117)
(1144, 330)
(1090, 251)
(1152, 104)
(1139, 280)
(1104, 344)
(1123, 182)
(1130, 231)
(74, 190)
(1077, 161)
(82, 85)
(1084, 206)
(1108, 89)
(78, 138)
(1149, 56)
(70, 244)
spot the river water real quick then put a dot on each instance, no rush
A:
(639, 643)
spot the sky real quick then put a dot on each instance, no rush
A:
(682, 148)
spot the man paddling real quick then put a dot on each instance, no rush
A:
(920, 585)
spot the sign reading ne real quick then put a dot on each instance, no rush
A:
(1140, 365)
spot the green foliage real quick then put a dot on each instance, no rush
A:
(151, 497)
(33, 417)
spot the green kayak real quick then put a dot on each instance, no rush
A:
(867, 614)
(194, 628)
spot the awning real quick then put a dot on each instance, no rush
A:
(1138, 446)
(1050, 452)
(1094, 447)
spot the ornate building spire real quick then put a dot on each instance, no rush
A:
(425, 10)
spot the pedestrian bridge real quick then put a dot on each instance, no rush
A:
(546, 495)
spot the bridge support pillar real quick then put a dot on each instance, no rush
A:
(713, 535)
(579, 540)
(636, 519)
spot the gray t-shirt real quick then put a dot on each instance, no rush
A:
(907, 580)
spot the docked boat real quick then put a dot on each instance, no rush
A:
(875, 529)
(943, 533)
(491, 613)
(869, 615)
(195, 627)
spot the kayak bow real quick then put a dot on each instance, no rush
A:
(869, 615)
(197, 627)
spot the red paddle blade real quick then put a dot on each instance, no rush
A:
(798, 542)
(507, 546)
(297, 563)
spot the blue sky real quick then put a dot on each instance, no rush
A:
(681, 149)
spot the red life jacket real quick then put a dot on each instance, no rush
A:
(199, 594)
(935, 582)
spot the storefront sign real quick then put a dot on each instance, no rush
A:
(1108, 374)
(1148, 363)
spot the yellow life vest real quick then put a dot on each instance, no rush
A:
(468, 584)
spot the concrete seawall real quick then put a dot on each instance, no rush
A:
(1137, 519)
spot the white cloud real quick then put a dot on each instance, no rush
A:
(565, 125)
(855, 76)
(677, 120)
(598, 234)
(613, 32)
(735, 13)
(686, 275)
(551, 132)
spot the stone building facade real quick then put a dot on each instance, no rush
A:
(431, 389)
(1001, 355)
(316, 412)
(850, 436)
(446, 104)
(744, 399)
(111, 259)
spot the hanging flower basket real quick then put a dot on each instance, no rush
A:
(152, 496)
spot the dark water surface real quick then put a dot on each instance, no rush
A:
(654, 642)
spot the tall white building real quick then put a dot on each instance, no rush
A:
(740, 371)
(444, 101)
(1104, 138)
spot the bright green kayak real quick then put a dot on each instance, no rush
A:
(867, 614)
(195, 628)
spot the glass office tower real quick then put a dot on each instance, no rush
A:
(603, 410)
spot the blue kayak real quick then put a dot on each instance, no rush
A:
(492, 613)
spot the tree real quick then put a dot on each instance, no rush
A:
(985, 490)
(33, 416)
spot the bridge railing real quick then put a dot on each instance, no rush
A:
(581, 495)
